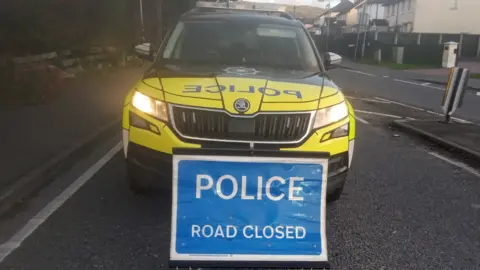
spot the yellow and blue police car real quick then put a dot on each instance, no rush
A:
(235, 79)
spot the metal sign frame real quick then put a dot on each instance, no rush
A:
(247, 261)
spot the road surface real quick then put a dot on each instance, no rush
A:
(391, 84)
(407, 205)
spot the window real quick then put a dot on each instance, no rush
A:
(402, 6)
(409, 5)
(240, 43)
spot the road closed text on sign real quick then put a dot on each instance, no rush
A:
(205, 183)
(244, 208)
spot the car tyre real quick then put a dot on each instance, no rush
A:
(335, 196)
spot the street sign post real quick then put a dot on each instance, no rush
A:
(455, 91)
(255, 209)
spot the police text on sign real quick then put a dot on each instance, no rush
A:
(205, 182)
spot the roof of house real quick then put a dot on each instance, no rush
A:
(370, 2)
(343, 7)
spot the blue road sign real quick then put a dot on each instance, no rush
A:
(248, 208)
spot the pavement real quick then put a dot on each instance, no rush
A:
(407, 204)
(438, 76)
(461, 137)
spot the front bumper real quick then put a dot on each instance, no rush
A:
(143, 129)
(153, 169)
(148, 145)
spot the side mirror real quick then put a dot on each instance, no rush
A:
(332, 60)
(144, 51)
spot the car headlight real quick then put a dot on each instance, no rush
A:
(330, 115)
(148, 105)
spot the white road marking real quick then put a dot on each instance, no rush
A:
(478, 94)
(379, 114)
(423, 110)
(401, 104)
(457, 164)
(382, 99)
(361, 120)
(368, 99)
(386, 76)
(419, 84)
(409, 82)
(425, 84)
(33, 224)
(461, 120)
(360, 72)
(434, 87)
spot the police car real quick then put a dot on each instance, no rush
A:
(230, 79)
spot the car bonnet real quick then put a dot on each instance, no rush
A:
(223, 91)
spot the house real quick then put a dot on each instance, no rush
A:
(331, 21)
(433, 16)
(330, 15)
(325, 18)
(343, 8)
(358, 16)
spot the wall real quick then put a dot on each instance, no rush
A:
(436, 16)
(321, 20)
(352, 17)
(376, 11)
(405, 15)
(355, 16)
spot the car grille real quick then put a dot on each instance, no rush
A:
(204, 124)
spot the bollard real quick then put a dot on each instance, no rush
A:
(455, 91)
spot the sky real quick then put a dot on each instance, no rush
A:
(300, 2)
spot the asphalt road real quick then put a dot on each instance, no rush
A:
(393, 85)
(407, 205)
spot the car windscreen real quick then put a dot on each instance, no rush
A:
(241, 43)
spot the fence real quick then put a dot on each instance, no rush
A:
(419, 48)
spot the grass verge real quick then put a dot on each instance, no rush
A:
(475, 76)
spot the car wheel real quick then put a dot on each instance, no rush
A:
(335, 196)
